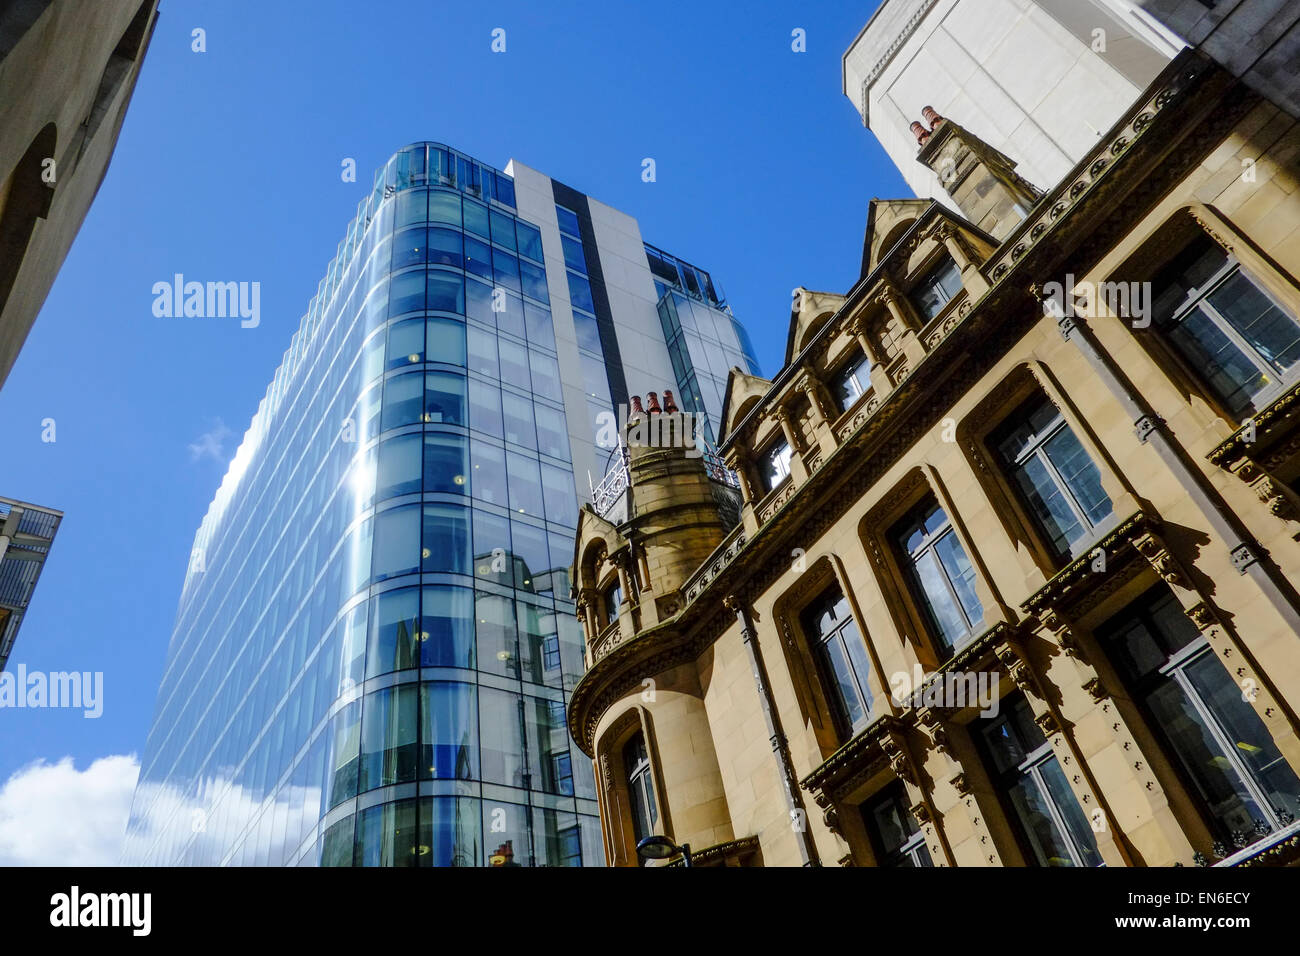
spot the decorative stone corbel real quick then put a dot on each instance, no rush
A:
(930, 721)
(894, 746)
(1018, 668)
(1159, 557)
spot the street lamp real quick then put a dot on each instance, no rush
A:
(662, 848)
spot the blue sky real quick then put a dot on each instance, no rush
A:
(228, 169)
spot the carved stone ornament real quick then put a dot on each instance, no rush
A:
(1202, 616)
(961, 784)
(930, 723)
(895, 749)
(1047, 723)
(1017, 667)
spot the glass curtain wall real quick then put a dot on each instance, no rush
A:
(375, 639)
(704, 339)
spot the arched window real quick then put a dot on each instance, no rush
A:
(1056, 478)
(841, 656)
(941, 575)
(640, 787)
(613, 597)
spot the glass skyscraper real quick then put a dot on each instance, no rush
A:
(375, 635)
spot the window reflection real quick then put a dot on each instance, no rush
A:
(444, 398)
(485, 408)
(501, 737)
(387, 835)
(394, 632)
(446, 539)
(451, 827)
(343, 754)
(446, 463)
(397, 542)
(446, 633)
(417, 731)
(517, 412)
(399, 466)
(506, 827)
(492, 553)
(445, 341)
(488, 473)
(525, 484)
(483, 352)
(446, 247)
(390, 737)
(498, 651)
(448, 747)
(405, 343)
(531, 557)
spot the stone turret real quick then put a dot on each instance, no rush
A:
(660, 516)
(647, 540)
(673, 505)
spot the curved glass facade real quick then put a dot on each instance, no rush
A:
(375, 636)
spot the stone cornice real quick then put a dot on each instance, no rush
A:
(720, 852)
(1072, 583)
(1279, 421)
(1184, 73)
(971, 654)
(858, 758)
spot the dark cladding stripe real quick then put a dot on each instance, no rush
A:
(572, 199)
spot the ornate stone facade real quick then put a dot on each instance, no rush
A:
(801, 680)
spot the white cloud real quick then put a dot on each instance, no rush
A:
(52, 814)
(212, 444)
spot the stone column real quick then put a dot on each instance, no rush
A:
(966, 834)
(972, 279)
(880, 382)
(1024, 674)
(911, 323)
(1102, 735)
(798, 470)
(902, 761)
(821, 415)
(587, 600)
(622, 560)
(739, 463)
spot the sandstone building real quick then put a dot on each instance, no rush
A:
(1010, 579)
